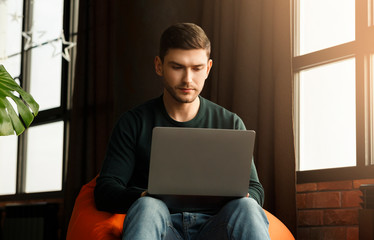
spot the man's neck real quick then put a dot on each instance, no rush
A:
(181, 112)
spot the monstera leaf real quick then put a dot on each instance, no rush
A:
(11, 122)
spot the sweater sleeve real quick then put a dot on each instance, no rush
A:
(255, 189)
(112, 192)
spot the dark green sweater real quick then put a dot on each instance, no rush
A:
(124, 174)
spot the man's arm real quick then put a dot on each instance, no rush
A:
(255, 189)
(112, 193)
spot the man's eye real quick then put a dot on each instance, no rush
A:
(176, 67)
(197, 69)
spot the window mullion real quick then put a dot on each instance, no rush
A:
(21, 163)
(364, 91)
(369, 80)
(362, 124)
(296, 117)
(25, 83)
(296, 27)
(324, 56)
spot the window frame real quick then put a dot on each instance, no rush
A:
(61, 113)
(364, 31)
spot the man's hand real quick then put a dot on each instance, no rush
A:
(144, 194)
(247, 194)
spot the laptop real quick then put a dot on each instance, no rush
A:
(200, 163)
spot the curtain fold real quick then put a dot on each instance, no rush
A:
(284, 150)
(252, 76)
(92, 112)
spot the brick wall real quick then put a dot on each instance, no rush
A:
(329, 210)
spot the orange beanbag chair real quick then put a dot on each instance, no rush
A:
(87, 223)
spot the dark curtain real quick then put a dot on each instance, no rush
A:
(92, 114)
(251, 75)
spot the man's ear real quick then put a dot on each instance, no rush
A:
(209, 66)
(158, 66)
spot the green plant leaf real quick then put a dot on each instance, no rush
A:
(17, 124)
(6, 127)
(10, 122)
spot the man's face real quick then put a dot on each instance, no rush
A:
(184, 73)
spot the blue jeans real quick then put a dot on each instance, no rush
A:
(149, 218)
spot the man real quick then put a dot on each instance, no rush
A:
(183, 65)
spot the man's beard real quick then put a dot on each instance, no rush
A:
(179, 98)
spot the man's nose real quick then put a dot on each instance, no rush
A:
(188, 76)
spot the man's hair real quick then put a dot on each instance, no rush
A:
(183, 36)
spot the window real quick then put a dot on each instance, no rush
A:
(333, 78)
(38, 51)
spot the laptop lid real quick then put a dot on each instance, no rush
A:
(200, 161)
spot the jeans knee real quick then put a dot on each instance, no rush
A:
(149, 210)
(244, 204)
(248, 207)
(247, 212)
(147, 217)
(149, 204)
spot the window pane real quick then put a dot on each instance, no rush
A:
(45, 83)
(47, 19)
(325, 24)
(328, 116)
(45, 79)
(12, 65)
(44, 158)
(11, 37)
(8, 164)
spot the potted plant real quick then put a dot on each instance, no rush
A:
(12, 122)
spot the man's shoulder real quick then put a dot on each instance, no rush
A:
(142, 111)
(218, 116)
(149, 104)
(212, 106)
(144, 107)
